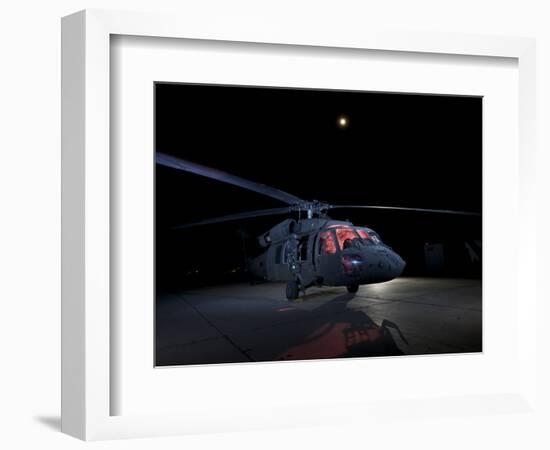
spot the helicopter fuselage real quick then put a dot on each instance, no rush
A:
(313, 251)
(328, 253)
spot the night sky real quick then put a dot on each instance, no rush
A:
(408, 150)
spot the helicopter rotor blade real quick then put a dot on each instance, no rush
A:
(401, 208)
(237, 216)
(198, 169)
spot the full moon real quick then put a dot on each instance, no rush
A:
(343, 122)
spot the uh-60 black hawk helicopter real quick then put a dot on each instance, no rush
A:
(314, 250)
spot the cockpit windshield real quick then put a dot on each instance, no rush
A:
(347, 236)
(369, 235)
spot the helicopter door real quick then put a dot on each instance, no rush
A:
(327, 257)
(278, 271)
(307, 270)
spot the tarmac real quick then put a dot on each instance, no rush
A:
(243, 323)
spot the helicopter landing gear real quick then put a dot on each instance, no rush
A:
(353, 288)
(292, 290)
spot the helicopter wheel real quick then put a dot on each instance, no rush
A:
(292, 290)
(353, 288)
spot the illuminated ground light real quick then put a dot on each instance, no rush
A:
(342, 121)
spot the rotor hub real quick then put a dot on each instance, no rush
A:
(313, 208)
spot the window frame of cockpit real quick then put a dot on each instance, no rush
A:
(318, 250)
(340, 247)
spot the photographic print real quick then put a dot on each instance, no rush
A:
(299, 224)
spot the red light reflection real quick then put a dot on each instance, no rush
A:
(363, 234)
(327, 242)
(332, 340)
(343, 234)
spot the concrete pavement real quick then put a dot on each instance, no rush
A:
(240, 323)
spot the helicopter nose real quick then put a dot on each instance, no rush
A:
(396, 264)
(381, 264)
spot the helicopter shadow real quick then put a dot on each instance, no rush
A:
(334, 330)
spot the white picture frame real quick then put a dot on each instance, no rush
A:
(87, 386)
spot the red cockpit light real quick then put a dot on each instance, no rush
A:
(344, 234)
(327, 242)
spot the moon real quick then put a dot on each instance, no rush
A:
(342, 121)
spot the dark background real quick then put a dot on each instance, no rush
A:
(409, 150)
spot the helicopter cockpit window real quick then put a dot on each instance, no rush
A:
(346, 236)
(369, 236)
(363, 233)
(327, 242)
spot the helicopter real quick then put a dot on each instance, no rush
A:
(314, 250)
